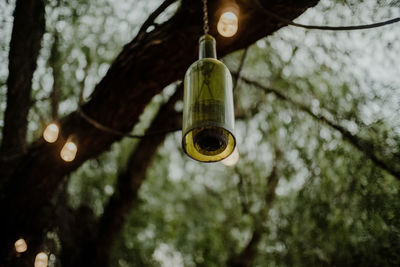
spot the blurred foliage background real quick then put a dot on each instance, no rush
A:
(332, 206)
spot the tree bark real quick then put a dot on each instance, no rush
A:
(26, 36)
(54, 64)
(143, 68)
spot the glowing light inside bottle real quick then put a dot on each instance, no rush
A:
(232, 159)
(51, 132)
(227, 24)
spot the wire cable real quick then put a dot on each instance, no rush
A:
(328, 28)
(109, 130)
(206, 28)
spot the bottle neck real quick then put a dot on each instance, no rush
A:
(207, 47)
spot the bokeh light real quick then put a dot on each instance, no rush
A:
(68, 152)
(20, 245)
(227, 24)
(232, 159)
(51, 132)
(41, 260)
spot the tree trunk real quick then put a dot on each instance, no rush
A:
(27, 32)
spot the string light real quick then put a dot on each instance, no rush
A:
(68, 152)
(51, 132)
(227, 24)
(232, 159)
(41, 260)
(20, 245)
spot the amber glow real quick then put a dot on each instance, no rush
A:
(51, 132)
(68, 152)
(232, 159)
(227, 24)
(20, 245)
(41, 260)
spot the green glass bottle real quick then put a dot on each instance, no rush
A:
(208, 118)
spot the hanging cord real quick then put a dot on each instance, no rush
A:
(102, 128)
(206, 28)
(327, 28)
(109, 130)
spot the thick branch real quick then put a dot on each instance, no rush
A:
(150, 20)
(76, 230)
(142, 69)
(27, 32)
(130, 180)
(54, 64)
(357, 142)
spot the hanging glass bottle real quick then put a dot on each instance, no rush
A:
(208, 118)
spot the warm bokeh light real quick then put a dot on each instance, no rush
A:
(232, 159)
(50, 134)
(68, 152)
(20, 245)
(227, 24)
(41, 260)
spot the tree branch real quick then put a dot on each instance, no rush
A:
(243, 199)
(26, 36)
(150, 20)
(53, 61)
(239, 70)
(354, 140)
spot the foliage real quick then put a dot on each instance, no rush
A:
(333, 206)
